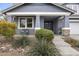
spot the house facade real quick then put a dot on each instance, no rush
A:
(74, 18)
(30, 17)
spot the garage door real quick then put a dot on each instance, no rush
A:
(74, 27)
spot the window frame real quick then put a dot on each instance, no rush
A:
(26, 18)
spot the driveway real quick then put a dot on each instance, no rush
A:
(75, 36)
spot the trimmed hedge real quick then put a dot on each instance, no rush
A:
(44, 34)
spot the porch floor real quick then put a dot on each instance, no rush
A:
(64, 48)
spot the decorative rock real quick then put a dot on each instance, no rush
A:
(8, 46)
(22, 50)
(11, 49)
(4, 49)
(19, 50)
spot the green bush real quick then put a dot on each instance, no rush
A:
(22, 42)
(9, 32)
(7, 29)
(42, 48)
(44, 34)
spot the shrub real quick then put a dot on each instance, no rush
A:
(7, 28)
(77, 44)
(22, 42)
(44, 34)
(43, 49)
(72, 42)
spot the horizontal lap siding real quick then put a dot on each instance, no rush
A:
(38, 7)
(30, 31)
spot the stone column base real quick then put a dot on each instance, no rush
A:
(66, 32)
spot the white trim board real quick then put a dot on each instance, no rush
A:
(39, 13)
(74, 21)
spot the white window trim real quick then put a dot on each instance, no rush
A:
(32, 23)
(26, 23)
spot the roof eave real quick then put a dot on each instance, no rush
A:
(68, 9)
(14, 6)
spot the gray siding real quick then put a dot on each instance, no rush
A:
(9, 18)
(66, 21)
(25, 31)
(55, 26)
(42, 22)
(60, 24)
(40, 7)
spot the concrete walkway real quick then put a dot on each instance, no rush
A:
(64, 48)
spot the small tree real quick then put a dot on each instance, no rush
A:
(7, 29)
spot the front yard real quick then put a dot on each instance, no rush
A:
(38, 45)
(9, 47)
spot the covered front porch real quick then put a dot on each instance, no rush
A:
(28, 23)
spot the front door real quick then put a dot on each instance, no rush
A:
(48, 25)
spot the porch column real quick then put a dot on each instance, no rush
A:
(37, 23)
(66, 29)
(66, 21)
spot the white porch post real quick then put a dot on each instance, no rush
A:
(66, 21)
(66, 29)
(37, 23)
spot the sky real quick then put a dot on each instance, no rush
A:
(5, 5)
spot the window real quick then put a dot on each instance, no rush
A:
(29, 22)
(22, 22)
(25, 22)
